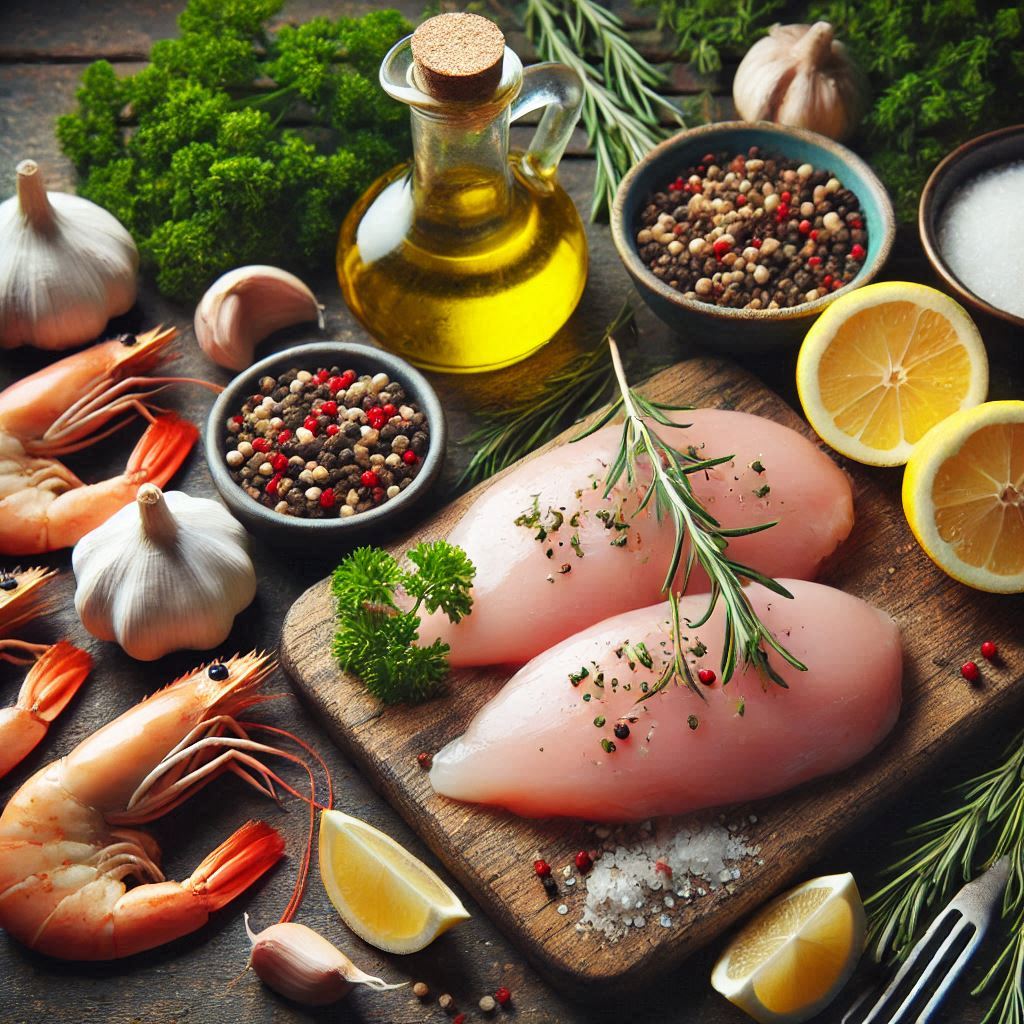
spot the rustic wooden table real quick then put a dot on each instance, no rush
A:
(200, 979)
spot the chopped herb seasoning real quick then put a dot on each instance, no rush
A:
(757, 466)
(607, 746)
(762, 492)
(599, 721)
(586, 696)
(620, 541)
(692, 722)
(638, 652)
(575, 520)
(741, 707)
(577, 677)
(575, 545)
(699, 649)
(565, 568)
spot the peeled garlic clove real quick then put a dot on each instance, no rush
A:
(66, 266)
(301, 965)
(246, 304)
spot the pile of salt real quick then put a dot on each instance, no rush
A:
(980, 236)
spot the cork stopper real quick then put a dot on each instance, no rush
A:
(458, 56)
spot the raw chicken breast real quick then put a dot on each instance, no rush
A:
(537, 584)
(536, 748)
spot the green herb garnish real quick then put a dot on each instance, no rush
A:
(746, 637)
(621, 102)
(207, 177)
(376, 640)
(986, 823)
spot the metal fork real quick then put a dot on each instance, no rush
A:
(940, 956)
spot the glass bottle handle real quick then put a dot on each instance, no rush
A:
(559, 90)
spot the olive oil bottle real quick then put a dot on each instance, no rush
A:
(469, 258)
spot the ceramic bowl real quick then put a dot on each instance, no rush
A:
(271, 526)
(999, 147)
(745, 329)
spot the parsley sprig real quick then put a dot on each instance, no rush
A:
(376, 639)
(746, 637)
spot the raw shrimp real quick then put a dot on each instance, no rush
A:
(20, 597)
(48, 688)
(66, 406)
(44, 506)
(546, 744)
(553, 555)
(67, 841)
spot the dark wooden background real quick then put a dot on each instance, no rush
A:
(43, 49)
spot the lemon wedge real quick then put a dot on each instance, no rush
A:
(382, 892)
(963, 495)
(885, 363)
(792, 959)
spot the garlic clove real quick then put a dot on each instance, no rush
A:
(246, 304)
(302, 965)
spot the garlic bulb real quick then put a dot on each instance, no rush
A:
(299, 964)
(66, 266)
(244, 305)
(166, 573)
(801, 75)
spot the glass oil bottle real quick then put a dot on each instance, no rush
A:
(470, 258)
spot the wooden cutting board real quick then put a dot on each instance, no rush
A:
(491, 852)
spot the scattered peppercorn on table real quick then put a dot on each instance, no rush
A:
(472, 969)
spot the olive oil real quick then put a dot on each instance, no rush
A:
(475, 284)
(470, 257)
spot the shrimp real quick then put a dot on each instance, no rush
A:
(67, 836)
(44, 506)
(65, 406)
(47, 690)
(20, 599)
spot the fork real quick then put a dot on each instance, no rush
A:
(940, 956)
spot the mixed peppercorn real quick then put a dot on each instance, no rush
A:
(326, 444)
(752, 232)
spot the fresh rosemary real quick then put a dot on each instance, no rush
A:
(621, 102)
(746, 637)
(565, 398)
(986, 824)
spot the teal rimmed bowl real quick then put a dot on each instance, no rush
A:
(722, 327)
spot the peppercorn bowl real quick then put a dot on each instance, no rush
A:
(743, 328)
(958, 169)
(385, 514)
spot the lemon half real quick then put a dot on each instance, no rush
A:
(792, 959)
(963, 495)
(885, 363)
(382, 892)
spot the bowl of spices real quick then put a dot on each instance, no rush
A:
(738, 235)
(330, 441)
(971, 220)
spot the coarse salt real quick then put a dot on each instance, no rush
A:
(622, 879)
(979, 236)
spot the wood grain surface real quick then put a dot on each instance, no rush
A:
(491, 851)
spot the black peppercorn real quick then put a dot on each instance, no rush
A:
(621, 731)
(8, 583)
(217, 672)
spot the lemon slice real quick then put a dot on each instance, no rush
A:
(382, 892)
(792, 959)
(963, 495)
(885, 363)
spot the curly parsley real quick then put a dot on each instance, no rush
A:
(376, 640)
(208, 177)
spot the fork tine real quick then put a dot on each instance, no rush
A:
(954, 972)
(917, 966)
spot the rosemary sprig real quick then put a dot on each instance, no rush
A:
(986, 824)
(746, 637)
(565, 398)
(621, 102)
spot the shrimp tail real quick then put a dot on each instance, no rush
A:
(161, 450)
(237, 863)
(48, 688)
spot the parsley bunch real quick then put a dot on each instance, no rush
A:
(941, 72)
(194, 156)
(376, 640)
